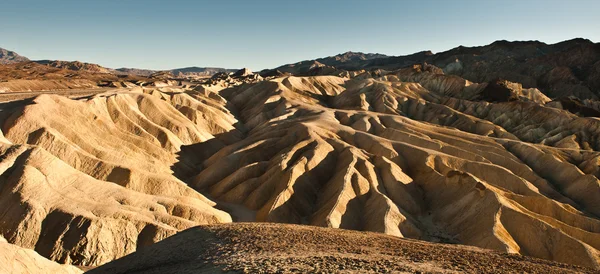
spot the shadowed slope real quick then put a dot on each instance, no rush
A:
(275, 248)
(14, 259)
(358, 167)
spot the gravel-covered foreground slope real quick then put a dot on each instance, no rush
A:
(279, 248)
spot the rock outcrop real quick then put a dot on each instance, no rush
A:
(242, 73)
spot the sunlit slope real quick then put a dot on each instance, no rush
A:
(88, 181)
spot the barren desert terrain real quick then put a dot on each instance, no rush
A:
(481, 160)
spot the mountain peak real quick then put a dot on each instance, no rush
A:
(356, 55)
(11, 57)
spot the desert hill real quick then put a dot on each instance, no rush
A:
(94, 68)
(350, 60)
(345, 61)
(135, 71)
(58, 75)
(75, 65)
(198, 71)
(277, 248)
(17, 63)
(10, 57)
(562, 69)
(415, 152)
(179, 72)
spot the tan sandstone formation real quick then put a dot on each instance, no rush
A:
(411, 153)
(93, 181)
(14, 259)
(378, 155)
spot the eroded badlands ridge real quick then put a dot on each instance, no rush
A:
(15, 259)
(411, 153)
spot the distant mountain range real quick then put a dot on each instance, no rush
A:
(568, 67)
(11, 57)
(200, 71)
(75, 65)
(179, 72)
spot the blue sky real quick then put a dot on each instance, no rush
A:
(264, 34)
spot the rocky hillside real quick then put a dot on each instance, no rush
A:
(346, 61)
(75, 65)
(277, 248)
(58, 75)
(135, 71)
(10, 57)
(569, 68)
(350, 60)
